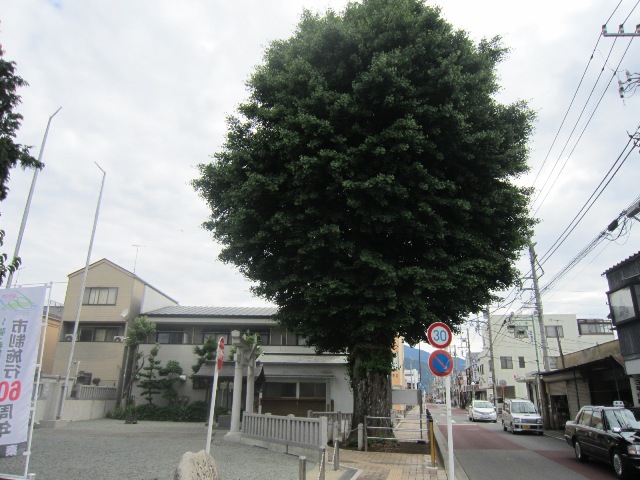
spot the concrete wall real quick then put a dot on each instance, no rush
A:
(77, 410)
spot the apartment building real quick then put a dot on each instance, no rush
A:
(518, 354)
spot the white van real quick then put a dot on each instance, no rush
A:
(521, 415)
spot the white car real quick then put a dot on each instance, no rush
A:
(482, 410)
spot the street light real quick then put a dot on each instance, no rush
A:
(25, 215)
(65, 386)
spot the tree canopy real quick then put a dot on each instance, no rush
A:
(11, 153)
(367, 184)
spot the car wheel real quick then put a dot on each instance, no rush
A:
(577, 448)
(618, 466)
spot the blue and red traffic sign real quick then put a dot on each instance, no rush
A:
(440, 363)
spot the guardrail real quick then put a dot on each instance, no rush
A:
(407, 428)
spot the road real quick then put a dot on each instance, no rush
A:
(485, 451)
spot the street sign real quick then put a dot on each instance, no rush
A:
(439, 335)
(440, 363)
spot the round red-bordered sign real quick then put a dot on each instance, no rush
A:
(439, 335)
(440, 363)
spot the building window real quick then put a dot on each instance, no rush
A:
(280, 389)
(506, 363)
(100, 296)
(97, 334)
(554, 331)
(521, 363)
(313, 390)
(594, 326)
(264, 338)
(171, 338)
(521, 332)
(217, 336)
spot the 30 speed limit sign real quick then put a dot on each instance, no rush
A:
(439, 335)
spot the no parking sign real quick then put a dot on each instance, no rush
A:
(440, 363)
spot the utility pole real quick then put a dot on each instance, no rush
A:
(492, 369)
(536, 290)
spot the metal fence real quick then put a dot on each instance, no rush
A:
(402, 428)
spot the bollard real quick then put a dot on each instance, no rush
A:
(360, 436)
(302, 468)
(431, 440)
(336, 431)
(336, 455)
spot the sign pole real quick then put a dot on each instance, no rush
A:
(214, 389)
(447, 385)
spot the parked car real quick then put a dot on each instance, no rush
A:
(482, 410)
(608, 434)
(521, 415)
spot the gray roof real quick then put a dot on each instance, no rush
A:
(184, 311)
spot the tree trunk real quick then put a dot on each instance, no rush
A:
(370, 367)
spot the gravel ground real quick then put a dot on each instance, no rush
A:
(110, 449)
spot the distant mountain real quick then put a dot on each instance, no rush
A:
(419, 359)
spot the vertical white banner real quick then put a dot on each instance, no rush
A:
(21, 311)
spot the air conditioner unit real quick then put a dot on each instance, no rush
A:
(119, 339)
(68, 337)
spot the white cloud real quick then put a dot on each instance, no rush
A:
(145, 87)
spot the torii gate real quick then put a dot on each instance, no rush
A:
(245, 356)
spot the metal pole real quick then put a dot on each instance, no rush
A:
(65, 386)
(447, 385)
(336, 455)
(302, 468)
(28, 205)
(492, 367)
(536, 291)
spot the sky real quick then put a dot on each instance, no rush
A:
(145, 88)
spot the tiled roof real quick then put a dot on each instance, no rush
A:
(185, 311)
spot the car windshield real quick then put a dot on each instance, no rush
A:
(622, 418)
(523, 407)
(482, 405)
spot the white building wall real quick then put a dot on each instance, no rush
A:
(507, 343)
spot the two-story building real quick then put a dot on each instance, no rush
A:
(518, 356)
(624, 305)
(293, 379)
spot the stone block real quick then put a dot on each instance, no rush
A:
(197, 466)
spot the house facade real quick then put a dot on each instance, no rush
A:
(518, 356)
(291, 378)
(113, 297)
(624, 305)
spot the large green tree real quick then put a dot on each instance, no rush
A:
(11, 153)
(367, 184)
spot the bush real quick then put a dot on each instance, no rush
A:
(192, 412)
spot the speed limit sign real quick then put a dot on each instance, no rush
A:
(439, 335)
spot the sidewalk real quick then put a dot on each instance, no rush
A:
(379, 466)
